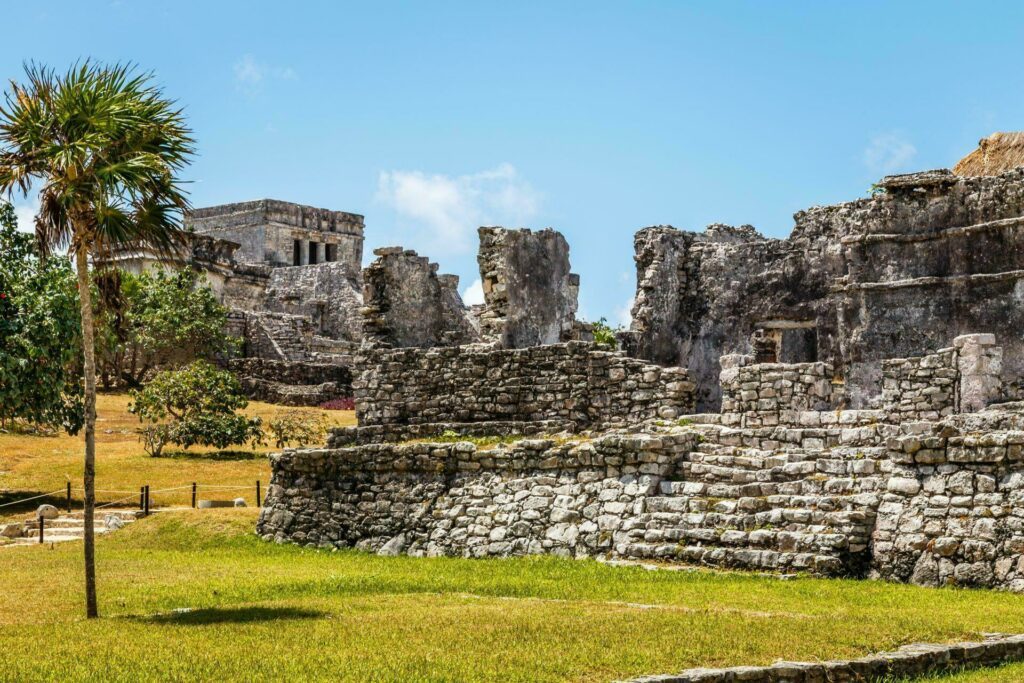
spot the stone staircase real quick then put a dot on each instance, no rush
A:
(71, 527)
(778, 510)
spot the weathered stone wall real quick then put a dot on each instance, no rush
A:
(294, 383)
(921, 388)
(931, 252)
(930, 503)
(329, 294)
(964, 378)
(267, 229)
(952, 509)
(575, 381)
(407, 304)
(769, 394)
(530, 294)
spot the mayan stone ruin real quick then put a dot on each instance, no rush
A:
(847, 401)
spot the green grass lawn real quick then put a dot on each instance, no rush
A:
(260, 611)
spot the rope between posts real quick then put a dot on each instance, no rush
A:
(25, 500)
(115, 502)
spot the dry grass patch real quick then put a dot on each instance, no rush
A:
(31, 464)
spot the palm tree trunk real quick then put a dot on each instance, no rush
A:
(89, 365)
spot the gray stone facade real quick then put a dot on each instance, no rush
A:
(283, 234)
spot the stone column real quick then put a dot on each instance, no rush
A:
(979, 365)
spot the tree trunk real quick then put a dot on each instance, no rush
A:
(89, 367)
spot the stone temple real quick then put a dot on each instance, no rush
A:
(846, 401)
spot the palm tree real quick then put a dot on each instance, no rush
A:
(105, 146)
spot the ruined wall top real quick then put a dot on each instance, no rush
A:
(275, 211)
(530, 294)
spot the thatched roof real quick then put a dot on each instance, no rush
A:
(997, 153)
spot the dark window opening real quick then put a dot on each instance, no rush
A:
(297, 253)
(312, 252)
(330, 252)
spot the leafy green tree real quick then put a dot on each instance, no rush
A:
(194, 406)
(105, 148)
(38, 334)
(158, 320)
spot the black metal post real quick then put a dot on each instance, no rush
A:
(42, 525)
(146, 510)
(69, 496)
(193, 494)
(257, 493)
(142, 497)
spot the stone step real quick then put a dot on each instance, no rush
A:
(746, 558)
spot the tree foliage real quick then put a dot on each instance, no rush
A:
(194, 406)
(105, 147)
(39, 338)
(296, 427)
(158, 320)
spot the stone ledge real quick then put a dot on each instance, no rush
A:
(909, 661)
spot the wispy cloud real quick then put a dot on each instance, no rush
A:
(251, 74)
(888, 153)
(446, 210)
(624, 313)
(474, 294)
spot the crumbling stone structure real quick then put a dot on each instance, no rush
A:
(283, 234)
(407, 304)
(812, 488)
(933, 252)
(292, 384)
(530, 294)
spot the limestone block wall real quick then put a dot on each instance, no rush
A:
(681, 494)
(962, 378)
(575, 382)
(952, 510)
(769, 394)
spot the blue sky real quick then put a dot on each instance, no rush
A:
(594, 118)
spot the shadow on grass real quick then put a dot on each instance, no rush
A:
(228, 615)
(13, 503)
(215, 455)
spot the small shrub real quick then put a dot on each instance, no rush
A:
(298, 427)
(605, 333)
(194, 406)
(346, 403)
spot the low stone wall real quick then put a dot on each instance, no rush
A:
(351, 436)
(952, 510)
(769, 394)
(922, 388)
(910, 661)
(575, 382)
(963, 378)
(292, 383)
(683, 494)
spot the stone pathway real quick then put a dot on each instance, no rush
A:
(71, 527)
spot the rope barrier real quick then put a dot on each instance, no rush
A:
(25, 500)
(114, 502)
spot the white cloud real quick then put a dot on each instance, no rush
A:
(474, 294)
(446, 210)
(624, 313)
(250, 74)
(889, 153)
